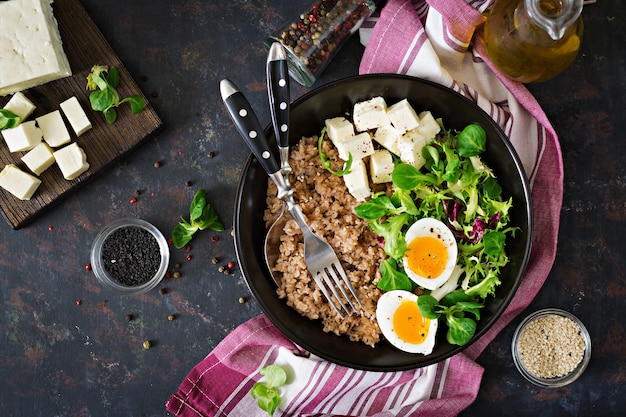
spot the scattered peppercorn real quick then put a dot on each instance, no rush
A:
(242, 300)
(220, 268)
(137, 192)
(50, 228)
(215, 239)
(162, 291)
(168, 275)
(103, 303)
(88, 267)
(187, 248)
(215, 261)
(177, 274)
(147, 344)
(79, 302)
(226, 271)
(180, 152)
(188, 257)
(154, 94)
(133, 200)
(187, 183)
(171, 317)
(211, 154)
(129, 317)
(231, 265)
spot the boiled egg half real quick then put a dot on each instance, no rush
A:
(431, 254)
(403, 325)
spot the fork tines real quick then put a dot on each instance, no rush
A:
(334, 278)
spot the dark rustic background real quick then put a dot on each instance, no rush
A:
(58, 358)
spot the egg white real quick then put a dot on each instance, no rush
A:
(434, 228)
(387, 305)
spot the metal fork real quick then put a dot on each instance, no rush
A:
(319, 256)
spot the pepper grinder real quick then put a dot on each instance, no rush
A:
(316, 35)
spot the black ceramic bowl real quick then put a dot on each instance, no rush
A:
(307, 119)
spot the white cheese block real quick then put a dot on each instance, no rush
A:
(72, 161)
(402, 116)
(359, 146)
(388, 137)
(53, 128)
(356, 180)
(410, 145)
(428, 125)
(20, 106)
(39, 158)
(31, 51)
(370, 114)
(76, 115)
(339, 129)
(381, 166)
(23, 137)
(19, 183)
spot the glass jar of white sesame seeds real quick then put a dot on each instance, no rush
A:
(551, 348)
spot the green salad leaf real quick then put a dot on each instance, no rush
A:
(103, 82)
(8, 119)
(266, 392)
(201, 216)
(326, 161)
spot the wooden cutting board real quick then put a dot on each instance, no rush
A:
(104, 144)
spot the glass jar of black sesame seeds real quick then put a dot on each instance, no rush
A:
(318, 33)
(130, 256)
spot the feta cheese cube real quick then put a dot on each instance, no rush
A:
(39, 158)
(31, 50)
(75, 115)
(402, 116)
(23, 137)
(20, 106)
(411, 144)
(72, 161)
(381, 166)
(54, 130)
(428, 125)
(388, 137)
(359, 146)
(339, 129)
(356, 180)
(19, 183)
(370, 114)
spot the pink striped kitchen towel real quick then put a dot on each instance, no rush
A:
(434, 40)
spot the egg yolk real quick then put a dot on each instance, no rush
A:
(427, 256)
(409, 324)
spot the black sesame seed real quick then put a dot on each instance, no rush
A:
(131, 255)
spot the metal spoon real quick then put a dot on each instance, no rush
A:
(278, 90)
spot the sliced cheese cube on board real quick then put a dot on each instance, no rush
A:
(75, 115)
(20, 105)
(381, 166)
(359, 146)
(72, 161)
(388, 137)
(356, 180)
(402, 116)
(339, 129)
(31, 50)
(411, 144)
(19, 183)
(370, 114)
(53, 127)
(23, 137)
(39, 158)
(428, 125)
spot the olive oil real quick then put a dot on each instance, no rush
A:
(533, 40)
